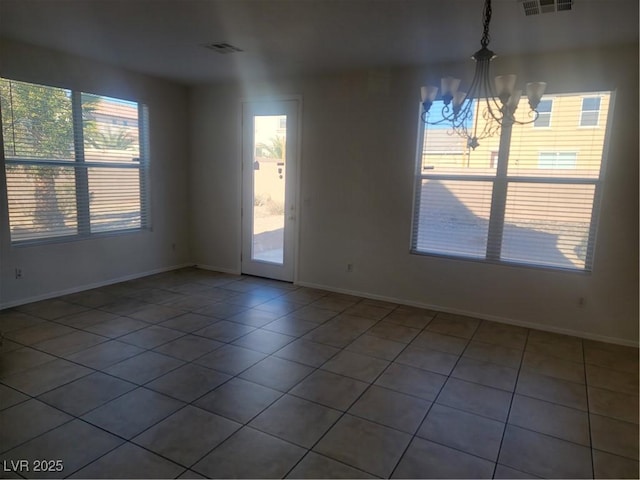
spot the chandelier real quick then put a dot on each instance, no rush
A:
(498, 99)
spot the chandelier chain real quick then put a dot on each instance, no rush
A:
(487, 19)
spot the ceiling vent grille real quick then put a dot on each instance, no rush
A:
(536, 7)
(222, 48)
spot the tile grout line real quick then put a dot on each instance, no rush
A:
(268, 355)
(586, 388)
(433, 402)
(370, 384)
(246, 424)
(343, 412)
(513, 394)
(272, 354)
(74, 417)
(237, 375)
(186, 404)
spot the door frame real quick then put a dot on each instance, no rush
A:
(295, 225)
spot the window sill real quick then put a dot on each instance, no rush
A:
(503, 263)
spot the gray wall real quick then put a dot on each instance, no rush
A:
(359, 135)
(49, 270)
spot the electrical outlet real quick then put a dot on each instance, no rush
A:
(582, 302)
(349, 267)
(18, 273)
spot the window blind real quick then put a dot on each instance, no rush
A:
(75, 162)
(539, 208)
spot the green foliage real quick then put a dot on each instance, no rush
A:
(37, 121)
(276, 147)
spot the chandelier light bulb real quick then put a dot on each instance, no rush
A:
(504, 86)
(535, 90)
(448, 87)
(458, 99)
(514, 99)
(429, 93)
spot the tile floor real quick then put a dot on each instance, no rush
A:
(193, 374)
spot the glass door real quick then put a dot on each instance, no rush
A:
(269, 179)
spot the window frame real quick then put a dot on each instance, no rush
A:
(500, 186)
(81, 168)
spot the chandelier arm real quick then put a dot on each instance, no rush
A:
(491, 93)
(474, 92)
(466, 111)
(494, 108)
(491, 126)
(527, 122)
(475, 124)
(447, 113)
(437, 122)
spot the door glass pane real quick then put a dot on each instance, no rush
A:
(270, 134)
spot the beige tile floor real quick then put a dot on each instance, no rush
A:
(192, 374)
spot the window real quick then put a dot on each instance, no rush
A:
(557, 160)
(71, 170)
(544, 113)
(590, 112)
(538, 206)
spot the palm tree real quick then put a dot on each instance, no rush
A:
(119, 139)
(276, 148)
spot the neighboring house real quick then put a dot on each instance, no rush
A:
(556, 140)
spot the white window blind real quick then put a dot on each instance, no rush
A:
(75, 163)
(539, 208)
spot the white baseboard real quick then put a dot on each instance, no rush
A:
(111, 281)
(232, 271)
(493, 318)
(401, 301)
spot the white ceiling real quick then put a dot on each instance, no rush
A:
(164, 38)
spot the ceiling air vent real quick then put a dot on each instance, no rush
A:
(536, 7)
(222, 47)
